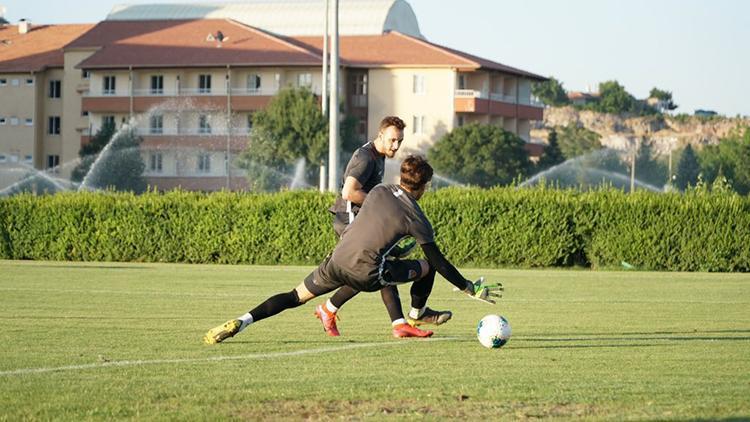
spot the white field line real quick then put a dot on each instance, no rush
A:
(254, 356)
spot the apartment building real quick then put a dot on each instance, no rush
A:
(189, 85)
(33, 95)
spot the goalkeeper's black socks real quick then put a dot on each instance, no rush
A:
(275, 304)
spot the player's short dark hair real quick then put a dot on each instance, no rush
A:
(392, 121)
(415, 172)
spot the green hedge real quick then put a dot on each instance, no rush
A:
(537, 227)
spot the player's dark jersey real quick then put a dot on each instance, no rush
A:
(367, 166)
(388, 215)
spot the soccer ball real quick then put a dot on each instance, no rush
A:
(493, 331)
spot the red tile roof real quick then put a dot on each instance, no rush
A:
(396, 49)
(36, 50)
(184, 43)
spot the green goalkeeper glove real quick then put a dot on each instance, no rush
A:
(485, 292)
(404, 248)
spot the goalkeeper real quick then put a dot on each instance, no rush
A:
(363, 172)
(389, 214)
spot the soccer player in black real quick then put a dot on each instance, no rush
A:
(363, 172)
(359, 260)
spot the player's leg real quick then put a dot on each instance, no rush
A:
(420, 292)
(397, 272)
(315, 284)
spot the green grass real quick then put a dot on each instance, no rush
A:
(125, 340)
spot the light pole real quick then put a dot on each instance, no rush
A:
(333, 109)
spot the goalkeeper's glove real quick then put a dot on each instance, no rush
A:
(404, 248)
(485, 292)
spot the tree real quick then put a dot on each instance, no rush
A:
(552, 154)
(119, 167)
(729, 158)
(291, 127)
(576, 141)
(664, 96)
(483, 155)
(688, 169)
(613, 98)
(90, 150)
(550, 92)
(648, 168)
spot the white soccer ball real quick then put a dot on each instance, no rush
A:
(493, 331)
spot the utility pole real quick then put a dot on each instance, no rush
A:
(333, 122)
(324, 84)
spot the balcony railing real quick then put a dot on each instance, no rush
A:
(505, 98)
(468, 93)
(243, 131)
(255, 91)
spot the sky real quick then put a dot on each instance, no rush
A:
(697, 49)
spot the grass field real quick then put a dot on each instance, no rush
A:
(123, 341)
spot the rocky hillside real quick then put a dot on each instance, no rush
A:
(662, 132)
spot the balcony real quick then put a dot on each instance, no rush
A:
(242, 99)
(496, 104)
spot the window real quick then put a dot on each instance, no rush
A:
(14, 121)
(15, 82)
(28, 159)
(108, 120)
(29, 82)
(359, 90)
(204, 84)
(53, 161)
(204, 163)
(3, 82)
(53, 128)
(156, 126)
(460, 120)
(29, 122)
(109, 85)
(204, 126)
(85, 74)
(304, 79)
(55, 89)
(253, 83)
(418, 126)
(462, 82)
(418, 84)
(155, 162)
(157, 84)
(249, 122)
(84, 113)
(3, 158)
(3, 121)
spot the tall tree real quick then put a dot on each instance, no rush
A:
(552, 154)
(729, 158)
(688, 169)
(613, 98)
(648, 168)
(89, 151)
(291, 127)
(576, 141)
(119, 167)
(483, 155)
(550, 92)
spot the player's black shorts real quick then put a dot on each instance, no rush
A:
(328, 277)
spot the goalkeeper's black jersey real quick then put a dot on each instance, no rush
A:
(388, 215)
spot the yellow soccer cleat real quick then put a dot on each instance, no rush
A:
(430, 316)
(222, 332)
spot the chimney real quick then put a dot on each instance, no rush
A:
(24, 26)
